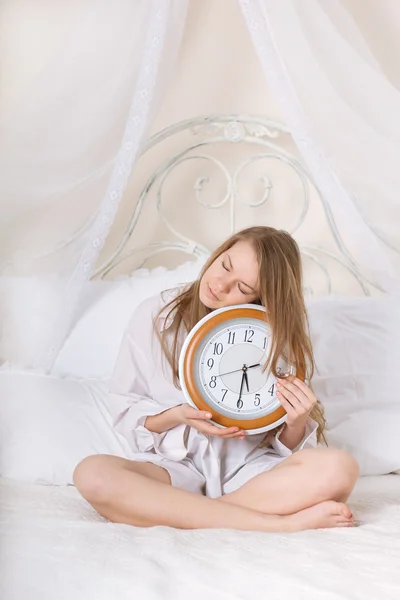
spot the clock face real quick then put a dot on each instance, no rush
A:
(228, 373)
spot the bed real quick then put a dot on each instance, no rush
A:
(242, 170)
(55, 546)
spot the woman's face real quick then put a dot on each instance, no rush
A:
(232, 278)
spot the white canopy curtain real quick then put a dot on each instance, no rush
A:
(81, 82)
(344, 115)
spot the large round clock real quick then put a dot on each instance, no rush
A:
(222, 369)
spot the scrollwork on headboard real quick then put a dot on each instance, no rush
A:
(236, 147)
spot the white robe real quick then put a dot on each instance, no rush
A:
(142, 386)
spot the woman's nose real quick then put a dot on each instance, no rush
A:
(223, 285)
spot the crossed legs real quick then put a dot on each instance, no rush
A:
(305, 491)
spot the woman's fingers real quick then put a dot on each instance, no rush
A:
(203, 414)
(297, 399)
(286, 404)
(198, 419)
(210, 429)
(301, 391)
(223, 431)
(296, 411)
(303, 387)
(286, 397)
(193, 413)
(291, 391)
(232, 432)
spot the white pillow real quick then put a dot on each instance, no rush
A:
(91, 348)
(48, 425)
(28, 308)
(356, 344)
(357, 350)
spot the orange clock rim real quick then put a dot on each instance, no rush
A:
(188, 372)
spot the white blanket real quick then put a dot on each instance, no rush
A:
(55, 547)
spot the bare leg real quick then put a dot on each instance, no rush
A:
(128, 492)
(305, 479)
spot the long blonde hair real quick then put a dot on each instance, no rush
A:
(280, 285)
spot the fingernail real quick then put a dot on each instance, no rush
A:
(208, 415)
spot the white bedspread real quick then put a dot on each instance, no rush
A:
(54, 547)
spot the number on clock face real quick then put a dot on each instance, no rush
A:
(231, 372)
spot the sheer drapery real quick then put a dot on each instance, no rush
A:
(76, 101)
(343, 112)
(80, 83)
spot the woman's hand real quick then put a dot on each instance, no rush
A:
(297, 399)
(198, 419)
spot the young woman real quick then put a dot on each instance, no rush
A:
(187, 473)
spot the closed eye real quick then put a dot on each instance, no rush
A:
(239, 288)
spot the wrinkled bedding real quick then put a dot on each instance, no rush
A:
(55, 547)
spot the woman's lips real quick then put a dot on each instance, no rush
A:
(211, 294)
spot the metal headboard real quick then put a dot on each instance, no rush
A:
(261, 142)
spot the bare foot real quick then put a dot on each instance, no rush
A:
(321, 516)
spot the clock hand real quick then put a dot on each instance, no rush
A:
(229, 372)
(237, 370)
(246, 379)
(239, 403)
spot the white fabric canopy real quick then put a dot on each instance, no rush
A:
(79, 94)
(344, 115)
(70, 132)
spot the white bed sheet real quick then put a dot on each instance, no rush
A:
(55, 547)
